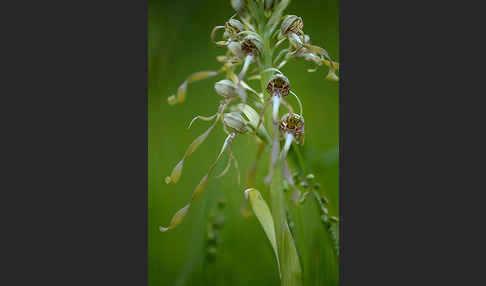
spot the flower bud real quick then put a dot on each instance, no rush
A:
(238, 5)
(225, 88)
(236, 49)
(235, 122)
(278, 85)
(251, 45)
(292, 24)
(294, 124)
(233, 27)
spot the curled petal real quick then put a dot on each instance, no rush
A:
(201, 75)
(204, 118)
(179, 216)
(226, 169)
(198, 141)
(176, 219)
(181, 91)
(176, 173)
(213, 32)
(200, 187)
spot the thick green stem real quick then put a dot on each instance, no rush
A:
(289, 262)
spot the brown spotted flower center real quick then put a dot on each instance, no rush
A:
(278, 86)
(249, 47)
(294, 124)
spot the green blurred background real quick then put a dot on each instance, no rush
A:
(178, 45)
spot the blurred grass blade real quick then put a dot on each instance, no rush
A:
(264, 216)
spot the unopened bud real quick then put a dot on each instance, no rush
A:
(238, 5)
(235, 122)
(225, 88)
(236, 49)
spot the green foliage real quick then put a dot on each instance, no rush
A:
(179, 45)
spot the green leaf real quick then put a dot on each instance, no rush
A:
(264, 216)
(287, 252)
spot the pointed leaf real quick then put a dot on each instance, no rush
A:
(289, 259)
(264, 216)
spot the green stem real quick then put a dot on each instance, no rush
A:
(289, 262)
